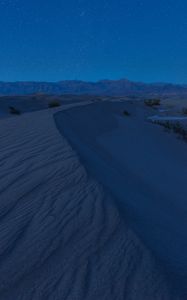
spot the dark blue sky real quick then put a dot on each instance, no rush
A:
(93, 39)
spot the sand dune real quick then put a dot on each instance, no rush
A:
(61, 235)
(144, 167)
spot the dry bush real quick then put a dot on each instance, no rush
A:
(176, 127)
(54, 103)
(14, 111)
(152, 102)
(126, 113)
(184, 110)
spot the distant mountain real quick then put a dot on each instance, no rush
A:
(121, 87)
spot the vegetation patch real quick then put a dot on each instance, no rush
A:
(152, 102)
(184, 110)
(126, 113)
(54, 103)
(14, 111)
(175, 127)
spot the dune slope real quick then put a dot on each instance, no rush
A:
(144, 167)
(61, 234)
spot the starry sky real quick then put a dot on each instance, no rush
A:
(51, 40)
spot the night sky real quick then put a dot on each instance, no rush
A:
(53, 40)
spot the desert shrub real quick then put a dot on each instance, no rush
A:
(184, 110)
(175, 127)
(54, 103)
(126, 113)
(14, 111)
(152, 102)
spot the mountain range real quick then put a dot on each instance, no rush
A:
(122, 87)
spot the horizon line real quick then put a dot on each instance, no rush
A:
(91, 81)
